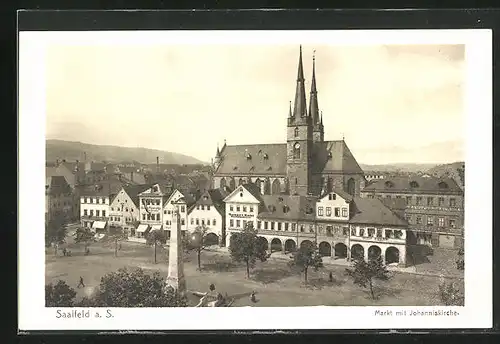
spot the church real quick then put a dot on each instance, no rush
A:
(306, 165)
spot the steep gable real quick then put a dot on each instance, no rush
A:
(335, 157)
(243, 194)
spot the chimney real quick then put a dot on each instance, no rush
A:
(158, 164)
(84, 156)
(132, 176)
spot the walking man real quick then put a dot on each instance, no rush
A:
(81, 284)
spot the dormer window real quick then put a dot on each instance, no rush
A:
(269, 168)
(414, 184)
(235, 168)
(271, 208)
(266, 156)
(286, 209)
(248, 156)
(280, 199)
(443, 185)
(389, 184)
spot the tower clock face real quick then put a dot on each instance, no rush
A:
(297, 145)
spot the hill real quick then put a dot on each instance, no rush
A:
(455, 170)
(398, 167)
(71, 151)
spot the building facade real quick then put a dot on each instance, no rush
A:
(305, 165)
(151, 203)
(124, 208)
(94, 208)
(58, 199)
(434, 208)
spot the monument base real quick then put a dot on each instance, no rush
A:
(179, 285)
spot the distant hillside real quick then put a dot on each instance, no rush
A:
(71, 151)
(398, 167)
(455, 170)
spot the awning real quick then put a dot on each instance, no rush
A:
(142, 228)
(99, 224)
(156, 228)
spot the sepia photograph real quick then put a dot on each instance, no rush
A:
(302, 171)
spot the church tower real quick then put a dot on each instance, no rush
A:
(317, 121)
(299, 139)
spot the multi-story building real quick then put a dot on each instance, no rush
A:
(151, 203)
(170, 206)
(209, 213)
(58, 198)
(305, 165)
(124, 208)
(94, 207)
(434, 208)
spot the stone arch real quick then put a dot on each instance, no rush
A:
(341, 250)
(391, 255)
(374, 252)
(357, 252)
(232, 184)
(276, 245)
(267, 187)
(290, 245)
(306, 243)
(351, 186)
(325, 249)
(211, 239)
(241, 181)
(276, 187)
(222, 183)
(264, 242)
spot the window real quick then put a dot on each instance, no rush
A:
(198, 207)
(379, 233)
(441, 201)
(408, 218)
(259, 224)
(371, 232)
(320, 211)
(250, 209)
(231, 208)
(430, 220)
(345, 231)
(419, 220)
(453, 202)
(302, 228)
(328, 211)
(104, 213)
(202, 207)
(337, 212)
(244, 208)
(169, 211)
(311, 229)
(208, 207)
(272, 225)
(279, 226)
(158, 217)
(398, 196)
(361, 232)
(213, 222)
(192, 221)
(388, 196)
(389, 234)
(97, 212)
(344, 212)
(293, 227)
(198, 222)
(441, 222)
(418, 200)
(329, 231)
(286, 226)
(144, 217)
(430, 201)
(208, 222)
(84, 212)
(245, 223)
(183, 209)
(202, 222)
(408, 200)
(353, 231)
(183, 222)
(265, 224)
(238, 223)
(452, 223)
(296, 132)
(231, 223)
(237, 208)
(112, 209)
(164, 212)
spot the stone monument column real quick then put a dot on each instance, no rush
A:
(176, 277)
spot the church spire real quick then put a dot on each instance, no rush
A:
(290, 110)
(299, 110)
(313, 101)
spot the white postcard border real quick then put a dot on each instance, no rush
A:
(477, 312)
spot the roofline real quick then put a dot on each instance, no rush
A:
(416, 191)
(236, 189)
(373, 223)
(249, 174)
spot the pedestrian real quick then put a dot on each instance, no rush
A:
(211, 287)
(252, 297)
(64, 251)
(330, 277)
(81, 284)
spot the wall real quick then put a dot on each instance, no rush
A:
(328, 206)
(126, 213)
(93, 204)
(154, 208)
(168, 212)
(206, 215)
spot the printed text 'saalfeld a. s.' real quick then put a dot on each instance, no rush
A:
(83, 314)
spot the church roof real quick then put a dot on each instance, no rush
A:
(270, 159)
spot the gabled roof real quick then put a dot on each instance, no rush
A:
(133, 191)
(339, 192)
(56, 185)
(163, 190)
(373, 211)
(251, 188)
(287, 207)
(335, 156)
(213, 197)
(415, 184)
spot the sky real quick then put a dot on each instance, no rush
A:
(392, 103)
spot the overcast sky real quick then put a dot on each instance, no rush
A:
(392, 103)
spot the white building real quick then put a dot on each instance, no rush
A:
(242, 206)
(209, 212)
(151, 203)
(124, 208)
(94, 208)
(169, 208)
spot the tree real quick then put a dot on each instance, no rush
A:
(59, 295)
(246, 247)
(133, 288)
(450, 295)
(84, 235)
(365, 273)
(197, 242)
(460, 260)
(156, 238)
(55, 231)
(116, 235)
(306, 257)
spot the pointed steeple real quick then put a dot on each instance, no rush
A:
(321, 118)
(218, 150)
(300, 110)
(290, 110)
(313, 101)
